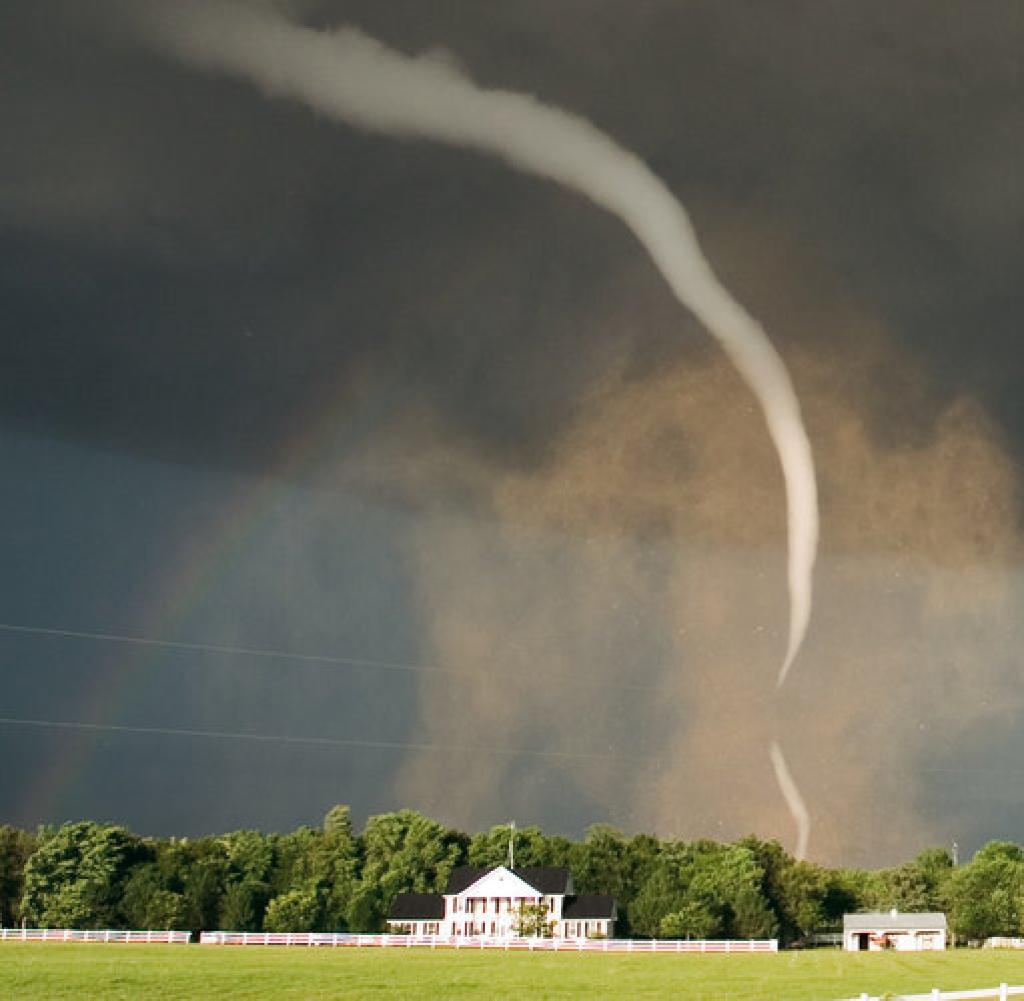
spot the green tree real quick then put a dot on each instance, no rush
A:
(147, 902)
(532, 847)
(296, 911)
(204, 881)
(533, 921)
(322, 864)
(601, 863)
(640, 860)
(803, 896)
(987, 895)
(692, 920)
(241, 906)
(365, 911)
(402, 852)
(337, 864)
(249, 858)
(249, 855)
(338, 821)
(16, 847)
(74, 878)
(720, 884)
(664, 892)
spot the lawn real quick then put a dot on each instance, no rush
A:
(161, 973)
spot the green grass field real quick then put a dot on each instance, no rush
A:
(161, 973)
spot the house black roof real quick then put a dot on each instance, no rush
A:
(417, 907)
(589, 905)
(543, 878)
(462, 877)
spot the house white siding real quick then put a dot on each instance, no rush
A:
(491, 906)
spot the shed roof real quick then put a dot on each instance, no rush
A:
(887, 921)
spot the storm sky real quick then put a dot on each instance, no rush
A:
(423, 490)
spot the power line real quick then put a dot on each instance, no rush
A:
(313, 658)
(306, 658)
(387, 745)
(970, 771)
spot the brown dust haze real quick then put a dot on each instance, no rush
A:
(622, 604)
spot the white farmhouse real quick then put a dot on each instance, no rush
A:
(487, 903)
(893, 930)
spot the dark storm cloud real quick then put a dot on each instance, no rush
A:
(195, 279)
(182, 240)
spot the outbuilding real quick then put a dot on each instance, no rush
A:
(892, 930)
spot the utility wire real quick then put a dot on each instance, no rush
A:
(388, 745)
(313, 658)
(305, 658)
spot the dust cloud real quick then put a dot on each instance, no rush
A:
(618, 608)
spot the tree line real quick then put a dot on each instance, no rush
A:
(90, 875)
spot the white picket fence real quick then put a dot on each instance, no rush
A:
(106, 935)
(339, 939)
(1002, 992)
(1003, 943)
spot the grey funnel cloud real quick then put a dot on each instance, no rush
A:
(354, 78)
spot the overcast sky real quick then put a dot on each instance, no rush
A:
(478, 518)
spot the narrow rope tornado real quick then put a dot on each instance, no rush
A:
(355, 79)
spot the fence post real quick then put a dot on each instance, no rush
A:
(936, 994)
(1004, 992)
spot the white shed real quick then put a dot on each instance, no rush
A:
(893, 930)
